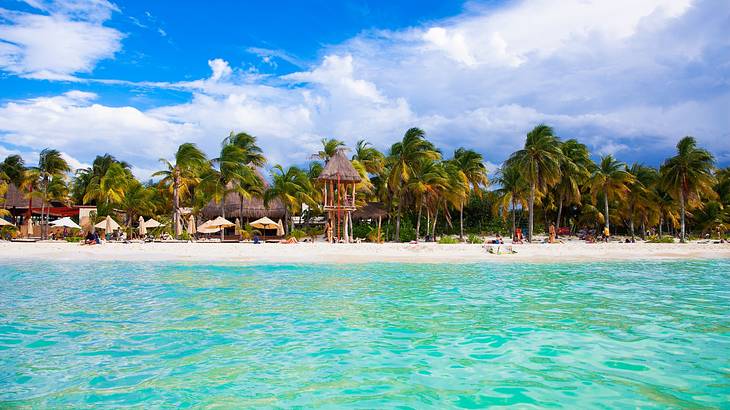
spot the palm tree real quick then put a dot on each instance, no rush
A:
(234, 174)
(92, 175)
(137, 200)
(292, 187)
(666, 207)
(182, 175)
(640, 193)
(575, 167)
(13, 171)
(539, 164)
(251, 155)
(413, 149)
(471, 164)
(108, 189)
(369, 157)
(513, 190)
(610, 179)
(329, 147)
(427, 181)
(688, 175)
(50, 164)
(248, 144)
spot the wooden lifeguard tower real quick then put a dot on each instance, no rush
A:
(339, 179)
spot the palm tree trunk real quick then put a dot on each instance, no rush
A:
(643, 229)
(223, 215)
(175, 206)
(461, 221)
(514, 219)
(43, 210)
(661, 222)
(418, 222)
(631, 226)
(682, 210)
(531, 206)
(560, 212)
(397, 218)
(428, 221)
(605, 208)
(435, 220)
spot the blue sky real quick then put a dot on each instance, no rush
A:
(137, 78)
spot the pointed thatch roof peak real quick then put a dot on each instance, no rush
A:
(339, 167)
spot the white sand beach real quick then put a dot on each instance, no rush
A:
(572, 251)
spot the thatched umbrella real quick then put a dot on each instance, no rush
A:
(30, 227)
(222, 223)
(339, 168)
(279, 228)
(3, 222)
(264, 223)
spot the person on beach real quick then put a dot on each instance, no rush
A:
(552, 233)
(518, 236)
(89, 239)
(606, 234)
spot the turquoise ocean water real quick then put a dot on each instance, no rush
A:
(596, 335)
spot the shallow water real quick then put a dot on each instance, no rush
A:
(608, 335)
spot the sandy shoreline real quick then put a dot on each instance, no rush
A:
(573, 251)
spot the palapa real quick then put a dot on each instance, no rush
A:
(339, 168)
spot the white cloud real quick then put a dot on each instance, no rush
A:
(621, 76)
(69, 40)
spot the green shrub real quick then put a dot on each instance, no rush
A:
(185, 236)
(298, 234)
(74, 239)
(313, 232)
(448, 240)
(407, 231)
(474, 239)
(663, 239)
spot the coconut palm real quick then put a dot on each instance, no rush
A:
(687, 176)
(12, 170)
(471, 165)
(666, 207)
(233, 174)
(329, 147)
(253, 157)
(92, 175)
(182, 175)
(640, 197)
(610, 180)
(512, 191)
(248, 144)
(369, 157)
(575, 168)
(413, 149)
(50, 163)
(137, 200)
(427, 181)
(292, 187)
(539, 164)
(108, 190)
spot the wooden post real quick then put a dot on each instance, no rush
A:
(339, 197)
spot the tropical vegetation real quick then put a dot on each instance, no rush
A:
(421, 189)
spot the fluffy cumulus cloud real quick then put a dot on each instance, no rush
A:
(626, 77)
(61, 40)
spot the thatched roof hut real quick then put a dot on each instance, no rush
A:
(339, 168)
(252, 208)
(371, 210)
(249, 209)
